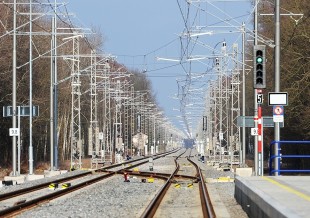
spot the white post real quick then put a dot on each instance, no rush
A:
(14, 91)
(30, 92)
(18, 160)
(145, 150)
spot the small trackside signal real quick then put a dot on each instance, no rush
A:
(259, 67)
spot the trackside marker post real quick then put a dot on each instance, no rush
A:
(258, 119)
(126, 177)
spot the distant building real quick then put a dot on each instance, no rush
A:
(139, 141)
(189, 143)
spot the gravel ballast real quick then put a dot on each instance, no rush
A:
(110, 198)
(115, 198)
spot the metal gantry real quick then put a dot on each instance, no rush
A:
(117, 124)
(219, 132)
(235, 147)
(132, 119)
(107, 124)
(127, 117)
(76, 145)
(93, 133)
(224, 103)
(112, 123)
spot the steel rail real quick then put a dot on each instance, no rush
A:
(19, 192)
(17, 209)
(206, 204)
(165, 175)
(154, 204)
(16, 193)
(207, 207)
(135, 160)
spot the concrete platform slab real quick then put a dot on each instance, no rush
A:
(48, 173)
(277, 196)
(244, 172)
(17, 179)
(34, 177)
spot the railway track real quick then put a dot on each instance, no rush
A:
(184, 172)
(19, 201)
(153, 209)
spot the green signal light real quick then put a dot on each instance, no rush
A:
(259, 60)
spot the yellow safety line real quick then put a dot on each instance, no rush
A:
(299, 194)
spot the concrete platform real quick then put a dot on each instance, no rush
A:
(276, 196)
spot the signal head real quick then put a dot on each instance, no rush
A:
(259, 67)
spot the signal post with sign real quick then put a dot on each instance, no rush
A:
(22, 111)
(259, 84)
(278, 100)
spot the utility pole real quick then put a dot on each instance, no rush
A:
(55, 92)
(14, 90)
(53, 103)
(242, 157)
(277, 79)
(30, 92)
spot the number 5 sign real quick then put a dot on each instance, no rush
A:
(14, 132)
(259, 98)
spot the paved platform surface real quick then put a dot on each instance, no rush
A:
(274, 196)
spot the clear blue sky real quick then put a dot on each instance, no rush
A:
(138, 31)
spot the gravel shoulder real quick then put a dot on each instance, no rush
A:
(221, 192)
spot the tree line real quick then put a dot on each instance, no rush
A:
(41, 41)
(294, 74)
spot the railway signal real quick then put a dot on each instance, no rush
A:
(259, 67)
